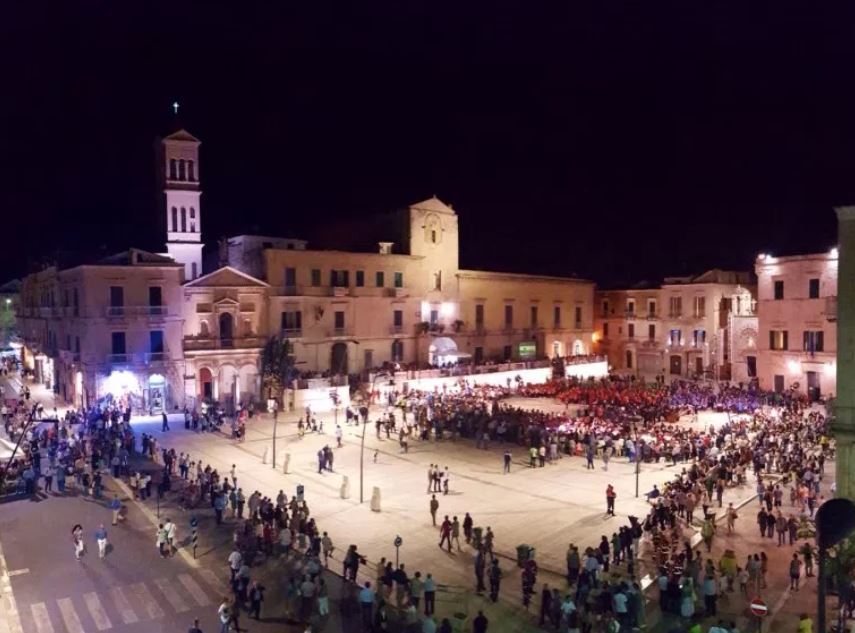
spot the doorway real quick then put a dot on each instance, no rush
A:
(338, 359)
(227, 327)
(779, 383)
(206, 384)
(813, 390)
(676, 365)
(699, 366)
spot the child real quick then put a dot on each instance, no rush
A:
(742, 575)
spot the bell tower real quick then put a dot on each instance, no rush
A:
(179, 175)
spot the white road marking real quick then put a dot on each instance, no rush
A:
(10, 619)
(171, 595)
(93, 603)
(194, 590)
(122, 605)
(216, 583)
(69, 615)
(149, 603)
(41, 617)
(18, 572)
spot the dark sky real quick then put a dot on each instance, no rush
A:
(619, 141)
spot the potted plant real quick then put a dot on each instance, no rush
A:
(458, 325)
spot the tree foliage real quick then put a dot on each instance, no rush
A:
(277, 366)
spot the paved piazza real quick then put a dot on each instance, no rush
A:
(545, 507)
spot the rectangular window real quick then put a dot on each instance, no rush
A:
(155, 342)
(290, 280)
(76, 344)
(509, 316)
(117, 343)
(813, 341)
(630, 307)
(316, 277)
(398, 318)
(605, 330)
(399, 280)
(675, 306)
(605, 308)
(292, 321)
(779, 289)
(479, 355)
(507, 352)
(117, 296)
(630, 330)
(339, 278)
(76, 299)
(651, 308)
(360, 278)
(813, 288)
(675, 337)
(699, 337)
(379, 279)
(700, 306)
(533, 316)
(778, 340)
(479, 315)
(578, 317)
(338, 320)
(651, 332)
(779, 383)
(155, 296)
(434, 317)
(556, 316)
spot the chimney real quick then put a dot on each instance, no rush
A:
(386, 247)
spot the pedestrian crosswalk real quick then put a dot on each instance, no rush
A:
(123, 605)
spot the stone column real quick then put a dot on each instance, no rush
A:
(844, 408)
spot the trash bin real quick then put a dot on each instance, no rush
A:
(523, 552)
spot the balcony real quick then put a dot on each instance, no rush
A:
(339, 291)
(396, 329)
(630, 314)
(210, 343)
(290, 333)
(339, 332)
(292, 291)
(651, 315)
(119, 312)
(398, 292)
(508, 329)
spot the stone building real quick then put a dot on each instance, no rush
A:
(680, 328)
(797, 312)
(161, 331)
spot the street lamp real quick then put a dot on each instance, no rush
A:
(637, 453)
(362, 441)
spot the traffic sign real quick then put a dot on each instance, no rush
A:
(758, 607)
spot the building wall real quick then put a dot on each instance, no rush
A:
(76, 333)
(796, 313)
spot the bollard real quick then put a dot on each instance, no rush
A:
(264, 457)
(375, 500)
(285, 463)
(345, 487)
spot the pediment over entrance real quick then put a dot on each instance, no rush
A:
(226, 277)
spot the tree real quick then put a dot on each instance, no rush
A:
(277, 366)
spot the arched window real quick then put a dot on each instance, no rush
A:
(183, 220)
(203, 329)
(182, 174)
(191, 170)
(174, 219)
(192, 219)
(173, 172)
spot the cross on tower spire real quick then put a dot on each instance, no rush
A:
(175, 106)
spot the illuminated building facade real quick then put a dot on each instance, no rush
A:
(681, 328)
(797, 310)
(200, 336)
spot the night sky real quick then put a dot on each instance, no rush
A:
(619, 141)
